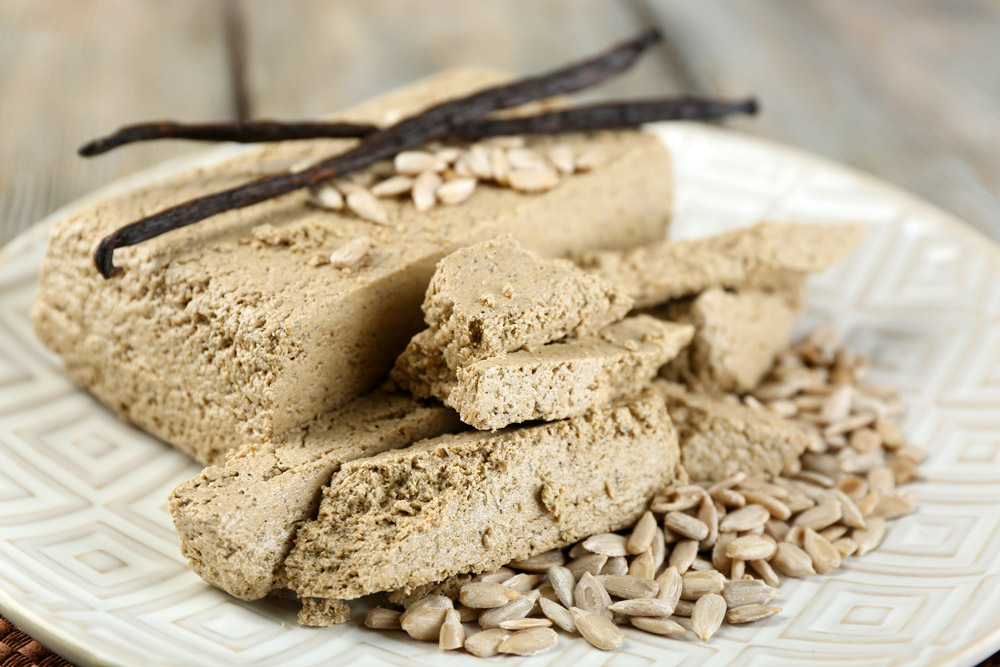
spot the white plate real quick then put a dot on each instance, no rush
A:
(89, 563)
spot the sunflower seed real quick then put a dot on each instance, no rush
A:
(743, 519)
(484, 644)
(709, 515)
(824, 557)
(891, 434)
(694, 585)
(643, 607)
(393, 187)
(380, 618)
(881, 480)
(424, 623)
(364, 205)
(326, 196)
(525, 158)
(728, 483)
(495, 577)
(708, 614)
(659, 549)
(684, 608)
(431, 602)
(522, 582)
(737, 569)
(452, 634)
(529, 642)
(766, 572)
(819, 517)
(591, 596)
(685, 498)
(774, 507)
(867, 503)
(686, 525)
(904, 470)
(834, 532)
(533, 180)
(742, 592)
(590, 160)
(598, 630)
(615, 565)
(776, 529)
(852, 486)
(729, 498)
(455, 191)
(642, 565)
(894, 506)
(837, 405)
(642, 535)
(424, 190)
(562, 581)
(591, 563)
(353, 254)
(625, 586)
(517, 608)
(751, 547)
(481, 595)
(683, 555)
(608, 544)
(792, 561)
(526, 623)
(871, 537)
(912, 453)
(750, 613)
(558, 614)
(561, 157)
(865, 440)
(670, 586)
(720, 561)
(467, 614)
(477, 161)
(846, 546)
(417, 162)
(658, 626)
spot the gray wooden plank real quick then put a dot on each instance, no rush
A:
(72, 70)
(312, 57)
(904, 89)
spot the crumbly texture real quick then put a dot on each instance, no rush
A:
(497, 297)
(450, 588)
(567, 378)
(758, 256)
(738, 335)
(719, 437)
(236, 522)
(323, 612)
(224, 332)
(474, 501)
(421, 368)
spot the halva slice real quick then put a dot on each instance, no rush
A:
(497, 297)
(236, 522)
(562, 379)
(758, 256)
(719, 437)
(737, 337)
(234, 330)
(474, 501)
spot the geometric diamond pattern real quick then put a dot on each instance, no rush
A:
(90, 563)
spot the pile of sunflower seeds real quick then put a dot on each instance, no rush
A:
(708, 553)
(449, 175)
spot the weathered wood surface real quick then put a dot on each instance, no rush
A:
(905, 89)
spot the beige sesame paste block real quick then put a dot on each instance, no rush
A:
(230, 331)
(497, 297)
(737, 337)
(567, 378)
(236, 522)
(474, 501)
(719, 437)
(752, 257)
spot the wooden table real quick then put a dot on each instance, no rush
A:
(905, 89)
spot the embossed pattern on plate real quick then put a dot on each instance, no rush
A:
(90, 564)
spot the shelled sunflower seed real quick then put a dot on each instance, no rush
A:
(713, 552)
(450, 175)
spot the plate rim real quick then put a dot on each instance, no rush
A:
(72, 647)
